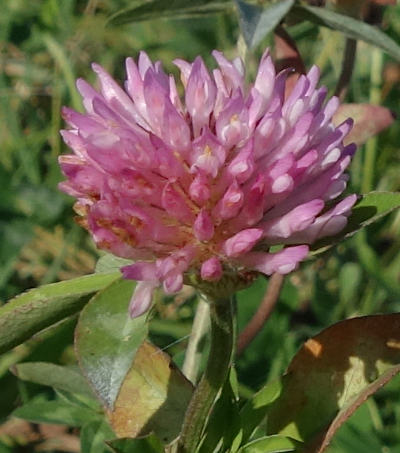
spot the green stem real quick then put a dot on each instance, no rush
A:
(219, 361)
(57, 52)
(242, 49)
(369, 170)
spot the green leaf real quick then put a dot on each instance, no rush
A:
(349, 279)
(360, 434)
(6, 449)
(350, 27)
(58, 412)
(149, 445)
(79, 399)
(39, 308)
(269, 444)
(110, 263)
(224, 426)
(65, 378)
(372, 264)
(153, 397)
(255, 410)
(369, 208)
(256, 22)
(173, 9)
(106, 339)
(93, 436)
(332, 375)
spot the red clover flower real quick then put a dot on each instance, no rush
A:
(210, 182)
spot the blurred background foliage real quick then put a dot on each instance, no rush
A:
(44, 46)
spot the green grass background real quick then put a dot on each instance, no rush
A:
(44, 46)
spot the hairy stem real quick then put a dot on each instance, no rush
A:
(200, 325)
(219, 361)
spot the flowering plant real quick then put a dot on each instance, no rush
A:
(203, 191)
(208, 185)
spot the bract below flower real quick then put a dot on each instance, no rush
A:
(208, 183)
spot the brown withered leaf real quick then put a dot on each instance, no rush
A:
(332, 374)
(369, 120)
(153, 397)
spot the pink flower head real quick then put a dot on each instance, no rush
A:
(206, 183)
